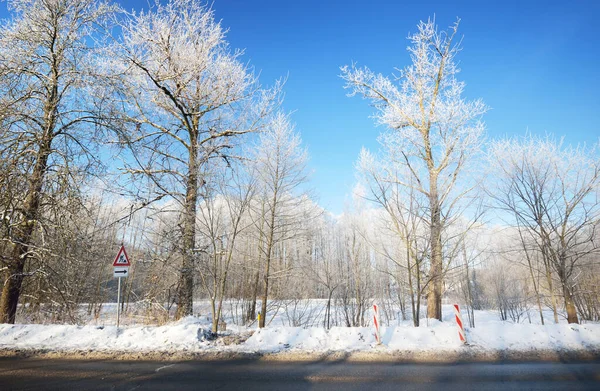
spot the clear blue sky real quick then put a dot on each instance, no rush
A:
(535, 63)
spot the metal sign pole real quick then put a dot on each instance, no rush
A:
(118, 303)
(120, 269)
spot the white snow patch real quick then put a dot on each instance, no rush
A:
(182, 335)
(437, 336)
(189, 335)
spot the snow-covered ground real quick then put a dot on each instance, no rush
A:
(190, 335)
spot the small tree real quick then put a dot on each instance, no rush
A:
(222, 221)
(404, 218)
(280, 165)
(322, 268)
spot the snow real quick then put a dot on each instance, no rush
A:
(438, 336)
(191, 335)
(182, 335)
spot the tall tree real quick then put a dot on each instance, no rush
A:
(47, 121)
(187, 97)
(434, 130)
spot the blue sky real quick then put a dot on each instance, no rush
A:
(535, 63)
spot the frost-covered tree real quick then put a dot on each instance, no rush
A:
(222, 219)
(186, 97)
(327, 253)
(356, 292)
(280, 169)
(550, 192)
(404, 219)
(46, 117)
(433, 130)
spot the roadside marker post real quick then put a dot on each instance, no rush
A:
(376, 323)
(120, 269)
(459, 324)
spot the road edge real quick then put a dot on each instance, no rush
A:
(376, 355)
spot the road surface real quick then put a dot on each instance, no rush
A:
(55, 374)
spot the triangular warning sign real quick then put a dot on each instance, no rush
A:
(122, 259)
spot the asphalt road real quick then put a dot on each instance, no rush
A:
(45, 374)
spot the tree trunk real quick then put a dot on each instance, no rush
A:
(215, 316)
(24, 232)
(328, 309)
(551, 289)
(470, 311)
(252, 309)
(418, 294)
(222, 288)
(263, 304)
(434, 296)
(12, 286)
(413, 304)
(185, 294)
(570, 306)
(569, 302)
(268, 255)
(217, 260)
(261, 232)
(535, 284)
(545, 246)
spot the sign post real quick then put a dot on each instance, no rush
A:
(118, 304)
(120, 269)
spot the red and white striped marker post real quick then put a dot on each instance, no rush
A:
(459, 324)
(376, 323)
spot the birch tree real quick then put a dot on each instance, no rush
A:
(357, 289)
(186, 98)
(434, 130)
(328, 252)
(280, 169)
(47, 119)
(222, 221)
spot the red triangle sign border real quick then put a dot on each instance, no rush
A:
(118, 257)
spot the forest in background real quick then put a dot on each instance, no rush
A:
(146, 129)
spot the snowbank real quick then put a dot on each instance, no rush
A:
(182, 335)
(438, 336)
(190, 335)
